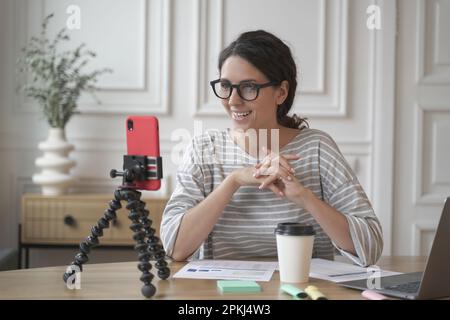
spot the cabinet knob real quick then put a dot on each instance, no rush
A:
(69, 220)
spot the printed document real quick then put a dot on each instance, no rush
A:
(228, 269)
(339, 271)
(334, 271)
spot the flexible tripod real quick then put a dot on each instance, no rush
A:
(136, 168)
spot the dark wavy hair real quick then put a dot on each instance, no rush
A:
(273, 58)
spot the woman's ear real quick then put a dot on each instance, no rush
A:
(283, 91)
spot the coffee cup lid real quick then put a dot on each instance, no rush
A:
(294, 229)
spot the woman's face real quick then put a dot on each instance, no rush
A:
(259, 113)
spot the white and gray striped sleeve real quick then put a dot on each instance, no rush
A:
(189, 191)
(343, 192)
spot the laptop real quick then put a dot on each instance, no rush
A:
(434, 282)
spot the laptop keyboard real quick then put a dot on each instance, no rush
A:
(410, 287)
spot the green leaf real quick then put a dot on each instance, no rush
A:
(59, 78)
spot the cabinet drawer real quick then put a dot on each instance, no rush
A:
(120, 230)
(69, 219)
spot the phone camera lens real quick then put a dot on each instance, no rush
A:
(130, 125)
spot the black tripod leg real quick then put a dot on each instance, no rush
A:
(141, 227)
(135, 208)
(92, 240)
(155, 248)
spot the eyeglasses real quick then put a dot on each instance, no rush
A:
(247, 90)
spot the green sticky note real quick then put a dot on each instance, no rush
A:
(238, 286)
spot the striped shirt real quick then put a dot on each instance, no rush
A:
(246, 226)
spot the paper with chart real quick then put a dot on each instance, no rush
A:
(339, 271)
(228, 269)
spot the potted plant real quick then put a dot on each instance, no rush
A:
(58, 80)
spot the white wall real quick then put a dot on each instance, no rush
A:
(422, 123)
(164, 52)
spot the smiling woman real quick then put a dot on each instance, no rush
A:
(251, 58)
(230, 197)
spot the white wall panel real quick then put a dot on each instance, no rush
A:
(433, 44)
(103, 26)
(316, 33)
(432, 154)
(132, 38)
(422, 152)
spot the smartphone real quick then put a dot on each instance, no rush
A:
(143, 140)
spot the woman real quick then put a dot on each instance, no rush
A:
(230, 196)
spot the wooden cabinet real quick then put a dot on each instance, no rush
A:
(68, 219)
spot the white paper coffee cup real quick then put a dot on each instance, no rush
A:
(294, 247)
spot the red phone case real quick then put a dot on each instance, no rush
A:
(143, 140)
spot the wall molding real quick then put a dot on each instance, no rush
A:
(201, 81)
(119, 101)
(383, 68)
(331, 102)
(420, 197)
(321, 88)
(426, 60)
(328, 99)
(9, 142)
(418, 229)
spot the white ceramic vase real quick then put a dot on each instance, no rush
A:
(55, 164)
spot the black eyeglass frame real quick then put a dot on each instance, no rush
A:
(232, 86)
